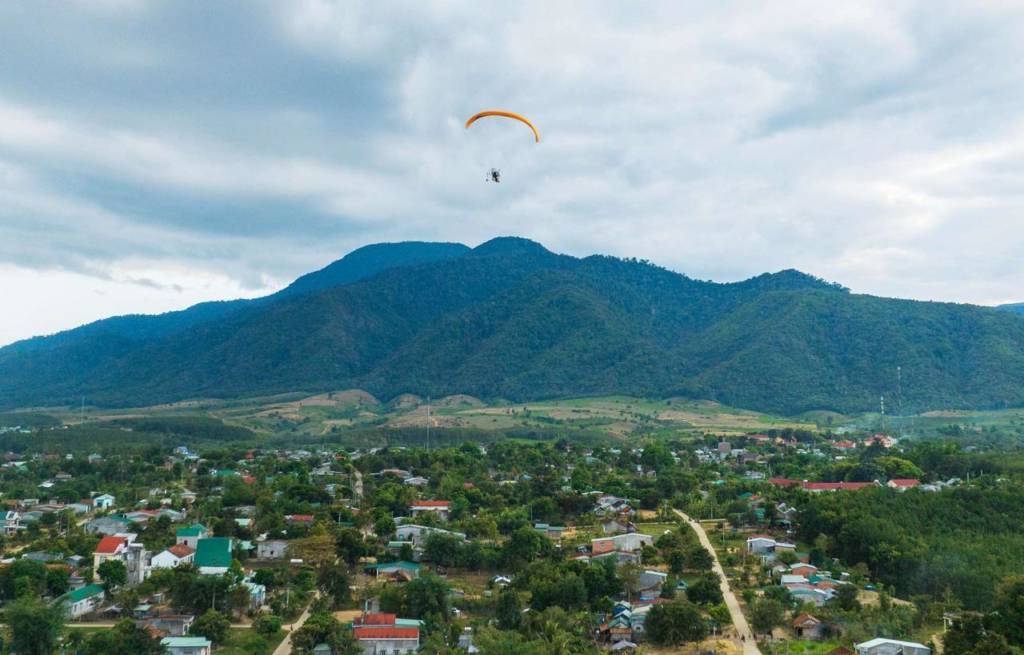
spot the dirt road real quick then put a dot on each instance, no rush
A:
(738, 620)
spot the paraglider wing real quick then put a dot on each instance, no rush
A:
(505, 114)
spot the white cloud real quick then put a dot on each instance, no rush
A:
(876, 144)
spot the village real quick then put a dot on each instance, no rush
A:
(402, 550)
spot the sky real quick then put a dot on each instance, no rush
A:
(158, 154)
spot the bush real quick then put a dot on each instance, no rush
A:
(267, 624)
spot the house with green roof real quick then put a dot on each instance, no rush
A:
(83, 600)
(406, 570)
(191, 534)
(213, 555)
(187, 645)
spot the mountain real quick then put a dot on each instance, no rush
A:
(358, 264)
(1017, 308)
(511, 319)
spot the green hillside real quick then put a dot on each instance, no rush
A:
(511, 320)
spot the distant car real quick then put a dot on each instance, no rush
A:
(870, 587)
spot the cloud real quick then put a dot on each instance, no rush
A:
(876, 144)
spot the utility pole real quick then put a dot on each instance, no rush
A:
(428, 422)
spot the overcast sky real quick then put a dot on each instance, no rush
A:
(156, 154)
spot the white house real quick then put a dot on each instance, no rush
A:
(104, 501)
(271, 549)
(629, 542)
(439, 507)
(187, 645)
(173, 557)
(883, 646)
(83, 600)
(12, 522)
(418, 534)
(760, 544)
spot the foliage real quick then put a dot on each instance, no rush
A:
(765, 614)
(672, 624)
(213, 625)
(267, 624)
(35, 626)
(502, 312)
(706, 590)
(323, 628)
(124, 639)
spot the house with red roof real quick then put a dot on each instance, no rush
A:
(173, 557)
(783, 482)
(300, 519)
(386, 633)
(844, 445)
(902, 484)
(439, 507)
(818, 487)
(123, 548)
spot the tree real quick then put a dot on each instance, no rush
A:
(846, 598)
(706, 591)
(124, 639)
(668, 590)
(333, 582)
(427, 596)
(698, 558)
(675, 623)
(509, 610)
(57, 581)
(1010, 605)
(113, 572)
(36, 627)
(765, 614)
(267, 625)
(213, 625)
(323, 628)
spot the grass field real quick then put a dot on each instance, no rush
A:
(356, 418)
(242, 641)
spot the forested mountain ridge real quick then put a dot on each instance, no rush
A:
(511, 319)
(1013, 307)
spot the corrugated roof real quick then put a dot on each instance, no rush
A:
(195, 530)
(213, 552)
(109, 545)
(82, 593)
(385, 632)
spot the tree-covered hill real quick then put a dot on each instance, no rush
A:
(510, 319)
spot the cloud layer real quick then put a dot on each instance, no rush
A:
(157, 154)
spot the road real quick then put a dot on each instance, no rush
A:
(738, 620)
(285, 647)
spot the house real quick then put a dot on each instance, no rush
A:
(416, 481)
(808, 627)
(107, 525)
(883, 646)
(902, 484)
(299, 519)
(818, 487)
(111, 547)
(102, 502)
(173, 557)
(124, 548)
(12, 523)
(187, 645)
(418, 534)
(82, 601)
(629, 542)
(439, 507)
(171, 625)
(802, 569)
(760, 544)
(783, 482)
(805, 593)
(213, 555)
(257, 594)
(271, 549)
(650, 583)
(385, 633)
(191, 535)
(389, 569)
(617, 526)
(549, 531)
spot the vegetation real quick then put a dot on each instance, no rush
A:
(499, 315)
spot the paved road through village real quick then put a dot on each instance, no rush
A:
(738, 620)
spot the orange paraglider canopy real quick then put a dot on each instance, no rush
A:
(505, 114)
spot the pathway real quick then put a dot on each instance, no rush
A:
(738, 620)
(285, 647)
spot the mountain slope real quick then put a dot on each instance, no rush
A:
(1014, 307)
(360, 263)
(511, 319)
